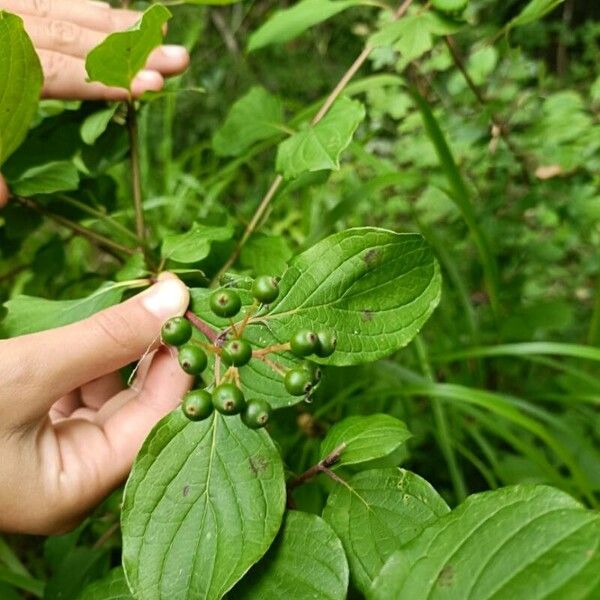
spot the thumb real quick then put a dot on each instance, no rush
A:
(4, 193)
(42, 367)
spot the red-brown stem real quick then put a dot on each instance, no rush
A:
(323, 466)
(201, 326)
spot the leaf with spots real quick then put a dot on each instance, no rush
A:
(305, 562)
(373, 287)
(20, 84)
(376, 513)
(523, 541)
(202, 505)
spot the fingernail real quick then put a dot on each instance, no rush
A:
(150, 77)
(99, 3)
(166, 298)
(174, 52)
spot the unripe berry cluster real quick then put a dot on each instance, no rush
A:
(226, 396)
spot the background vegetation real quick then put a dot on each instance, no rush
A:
(495, 160)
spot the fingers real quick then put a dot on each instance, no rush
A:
(96, 456)
(95, 393)
(66, 37)
(62, 36)
(128, 426)
(93, 15)
(38, 369)
(128, 421)
(65, 77)
(4, 193)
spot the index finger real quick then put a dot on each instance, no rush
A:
(93, 14)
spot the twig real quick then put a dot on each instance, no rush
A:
(201, 326)
(323, 466)
(95, 238)
(497, 121)
(136, 180)
(226, 34)
(101, 216)
(278, 181)
(105, 537)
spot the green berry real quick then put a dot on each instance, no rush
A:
(304, 343)
(256, 414)
(176, 331)
(314, 370)
(265, 289)
(237, 353)
(225, 303)
(327, 343)
(298, 381)
(193, 360)
(228, 399)
(197, 405)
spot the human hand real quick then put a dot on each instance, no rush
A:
(64, 31)
(69, 430)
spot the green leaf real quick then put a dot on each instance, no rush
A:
(82, 565)
(256, 116)
(305, 562)
(202, 505)
(319, 147)
(118, 59)
(378, 512)
(112, 587)
(373, 287)
(27, 314)
(518, 542)
(289, 23)
(366, 438)
(52, 177)
(194, 245)
(412, 35)
(20, 84)
(20, 581)
(535, 10)
(258, 379)
(266, 255)
(95, 125)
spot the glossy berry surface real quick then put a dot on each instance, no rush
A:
(225, 303)
(193, 360)
(236, 353)
(327, 343)
(304, 343)
(256, 414)
(197, 405)
(176, 331)
(314, 370)
(298, 381)
(265, 289)
(228, 399)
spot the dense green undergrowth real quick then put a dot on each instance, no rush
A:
(439, 210)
